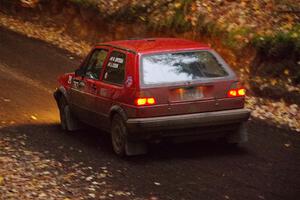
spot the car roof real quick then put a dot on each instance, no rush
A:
(155, 45)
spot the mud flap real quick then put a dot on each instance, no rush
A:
(239, 136)
(133, 148)
(72, 123)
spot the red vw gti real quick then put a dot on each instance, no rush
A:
(153, 89)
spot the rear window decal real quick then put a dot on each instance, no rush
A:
(113, 65)
(115, 61)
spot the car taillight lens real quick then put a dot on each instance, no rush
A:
(141, 101)
(145, 101)
(150, 101)
(241, 92)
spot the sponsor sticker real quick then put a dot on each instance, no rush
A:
(129, 81)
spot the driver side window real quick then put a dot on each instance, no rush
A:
(95, 63)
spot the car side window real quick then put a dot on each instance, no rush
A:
(115, 68)
(95, 63)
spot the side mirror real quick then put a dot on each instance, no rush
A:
(79, 72)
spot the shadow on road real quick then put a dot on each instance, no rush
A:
(92, 142)
(179, 169)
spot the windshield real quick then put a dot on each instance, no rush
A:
(180, 67)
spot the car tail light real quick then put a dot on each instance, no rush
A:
(150, 101)
(240, 92)
(145, 101)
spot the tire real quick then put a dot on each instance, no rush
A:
(119, 139)
(68, 121)
(118, 136)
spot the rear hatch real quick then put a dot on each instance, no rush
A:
(186, 82)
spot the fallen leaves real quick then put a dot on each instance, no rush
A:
(276, 112)
(287, 145)
(254, 15)
(1, 180)
(25, 174)
(157, 183)
(29, 3)
(226, 197)
(286, 72)
(49, 34)
(89, 178)
(261, 197)
(6, 100)
(33, 117)
(92, 195)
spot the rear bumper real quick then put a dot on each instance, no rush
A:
(188, 121)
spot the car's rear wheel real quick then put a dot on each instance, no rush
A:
(68, 121)
(118, 136)
(120, 143)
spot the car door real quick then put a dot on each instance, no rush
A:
(111, 86)
(84, 88)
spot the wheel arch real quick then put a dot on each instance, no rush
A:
(116, 109)
(60, 92)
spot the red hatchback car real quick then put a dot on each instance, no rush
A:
(152, 89)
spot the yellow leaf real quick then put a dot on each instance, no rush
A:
(1, 180)
(209, 9)
(33, 117)
(177, 5)
(142, 18)
(287, 145)
(273, 81)
(286, 72)
(294, 35)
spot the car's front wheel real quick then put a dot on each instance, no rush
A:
(120, 143)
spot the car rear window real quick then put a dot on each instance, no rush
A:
(115, 68)
(180, 67)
